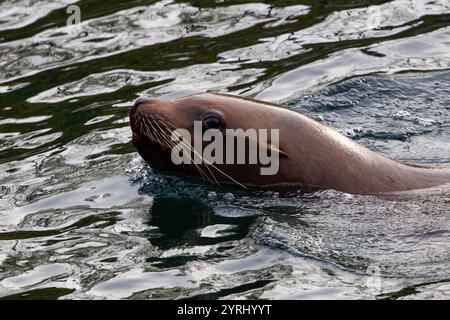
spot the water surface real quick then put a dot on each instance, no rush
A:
(81, 216)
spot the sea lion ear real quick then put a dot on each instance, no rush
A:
(280, 152)
(274, 149)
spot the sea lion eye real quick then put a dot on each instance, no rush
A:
(212, 122)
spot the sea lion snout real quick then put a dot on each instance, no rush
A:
(140, 111)
(142, 101)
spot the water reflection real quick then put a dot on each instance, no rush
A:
(82, 217)
(190, 222)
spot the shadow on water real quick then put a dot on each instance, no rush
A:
(180, 222)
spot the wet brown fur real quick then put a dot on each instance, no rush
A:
(317, 156)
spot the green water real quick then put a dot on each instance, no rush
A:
(81, 216)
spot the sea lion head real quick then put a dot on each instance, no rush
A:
(319, 156)
(153, 122)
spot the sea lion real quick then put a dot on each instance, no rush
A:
(311, 155)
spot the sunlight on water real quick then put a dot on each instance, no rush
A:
(82, 216)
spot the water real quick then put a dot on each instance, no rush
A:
(81, 216)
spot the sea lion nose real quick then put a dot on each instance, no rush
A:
(142, 100)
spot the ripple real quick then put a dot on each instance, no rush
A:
(344, 231)
(135, 281)
(83, 217)
(217, 230)
(36, 275)
(24, 120)
(397, 57)
(94, 84)
(98, 119)
(127, 30)
(18, 14)
(380, 110)
(234, 211)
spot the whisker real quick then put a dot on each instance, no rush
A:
(207, 163)
(202, 173)
(161, 131)
(165, 136)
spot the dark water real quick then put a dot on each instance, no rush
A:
(81, 216)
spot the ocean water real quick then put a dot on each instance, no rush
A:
(83, 217)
